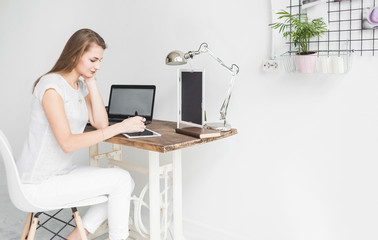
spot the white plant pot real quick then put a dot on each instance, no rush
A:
(306, 63)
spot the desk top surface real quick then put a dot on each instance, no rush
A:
(169, 140)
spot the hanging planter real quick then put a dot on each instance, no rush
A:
(306, 62)
(300, 30)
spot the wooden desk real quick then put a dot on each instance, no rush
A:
(169, 141)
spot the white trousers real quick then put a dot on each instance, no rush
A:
(86, 182)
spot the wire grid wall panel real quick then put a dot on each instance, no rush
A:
(345, 28)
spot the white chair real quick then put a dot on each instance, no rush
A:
(20, 201)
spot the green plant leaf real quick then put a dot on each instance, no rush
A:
(299, 29)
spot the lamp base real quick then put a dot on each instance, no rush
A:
(219, 126)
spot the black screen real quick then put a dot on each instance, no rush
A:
(127, 101)
(191, 97)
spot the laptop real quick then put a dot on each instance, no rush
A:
(132, 100)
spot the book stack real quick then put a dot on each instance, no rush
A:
(198, 132)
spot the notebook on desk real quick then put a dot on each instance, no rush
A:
(132, 100)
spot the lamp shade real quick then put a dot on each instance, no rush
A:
(175, 58)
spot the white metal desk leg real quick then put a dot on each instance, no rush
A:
(117, 148)
(154, 181)
(177, 196)
(93, 152)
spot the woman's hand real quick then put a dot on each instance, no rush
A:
(89, 80)
(133, 124)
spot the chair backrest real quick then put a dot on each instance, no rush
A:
(13, 180)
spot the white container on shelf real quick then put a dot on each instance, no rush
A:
(337, 64)
(322, 64)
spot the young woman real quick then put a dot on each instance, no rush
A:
(61, 106)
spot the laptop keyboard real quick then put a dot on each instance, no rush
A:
(113, 122)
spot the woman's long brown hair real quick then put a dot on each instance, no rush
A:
(76, 46)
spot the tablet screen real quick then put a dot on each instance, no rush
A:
(145, 133)
(191, 97)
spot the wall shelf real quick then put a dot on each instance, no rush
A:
(327, 62)
(347, 29)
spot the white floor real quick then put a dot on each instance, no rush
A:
(12, 220)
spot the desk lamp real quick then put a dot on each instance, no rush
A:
(179, 58)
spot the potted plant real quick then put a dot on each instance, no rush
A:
(301, 30)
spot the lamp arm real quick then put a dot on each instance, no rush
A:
(223, 109)
(204, 48)
(233, 69)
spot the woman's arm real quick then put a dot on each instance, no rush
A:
(53, 106)
(96, 109)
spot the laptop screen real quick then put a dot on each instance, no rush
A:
(131, 100)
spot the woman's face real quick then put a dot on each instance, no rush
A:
(89, 63)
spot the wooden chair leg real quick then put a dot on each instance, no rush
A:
(27, 226)
(33, 228)
(79, 223)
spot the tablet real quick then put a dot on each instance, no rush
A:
(191, 97)
(146, 133)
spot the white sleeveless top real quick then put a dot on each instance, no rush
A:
(42, 157)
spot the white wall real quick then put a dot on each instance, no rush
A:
(303, 164)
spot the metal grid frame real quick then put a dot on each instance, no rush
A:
(345, 33)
